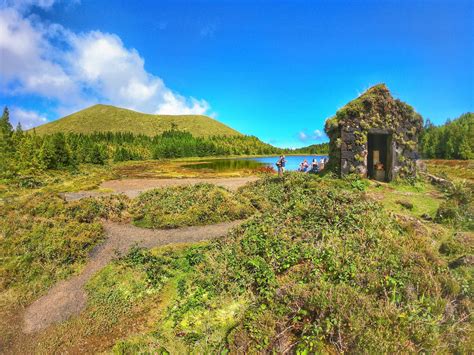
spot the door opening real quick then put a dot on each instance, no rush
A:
(379, 161)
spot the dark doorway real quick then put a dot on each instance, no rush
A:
(379, 162)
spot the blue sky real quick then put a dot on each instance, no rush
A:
(273, 69)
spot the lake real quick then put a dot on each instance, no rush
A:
(292, 163)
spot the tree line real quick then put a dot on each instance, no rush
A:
(25, 151)
(321, 148)
(453, 140)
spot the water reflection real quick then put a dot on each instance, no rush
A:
(226, 165)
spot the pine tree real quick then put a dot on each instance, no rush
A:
(55, 153)
(5, 126)
(27, 154)
(97, 156)
(18, 135)
(6, 145)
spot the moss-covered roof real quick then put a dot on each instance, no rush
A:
(374, 108)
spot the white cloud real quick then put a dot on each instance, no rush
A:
(28, 119)
(302, 136)
(208, 30)
(25, 4)
(79, 69)
(27, 64)
(316, 135)
(176, 104)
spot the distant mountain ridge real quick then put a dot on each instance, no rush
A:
(107, 118)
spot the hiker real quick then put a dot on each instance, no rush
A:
(281, 165)
(305, 166)
(321, 164)
(314, 167)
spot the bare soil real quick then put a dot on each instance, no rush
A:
(133, 187)
(69, 297)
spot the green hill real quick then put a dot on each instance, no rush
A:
(105, 118)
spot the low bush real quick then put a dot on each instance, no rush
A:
(458, 209)
(113, 207)
(188, 206)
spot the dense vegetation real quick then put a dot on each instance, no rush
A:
(453, 140)
(105, 118)
(189, 206)
(321, 268)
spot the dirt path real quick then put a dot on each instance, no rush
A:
(68, 297)
(133, 187)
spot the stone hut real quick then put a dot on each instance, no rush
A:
(375, 136)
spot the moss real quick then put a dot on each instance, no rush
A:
(376, 108)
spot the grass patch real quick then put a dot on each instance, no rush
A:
(452, 169)
(422, 199)
(42, 242)
(191, 205)
(106, 118)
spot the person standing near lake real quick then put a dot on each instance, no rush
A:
(305, 166)
(322, 163)
(281, 165)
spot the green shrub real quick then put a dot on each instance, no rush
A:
(451, 247)
(460, 192)
(112, 207)
(187, 206)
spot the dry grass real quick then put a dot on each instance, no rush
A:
(452, 169)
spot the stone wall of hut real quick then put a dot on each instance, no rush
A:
(375, 111)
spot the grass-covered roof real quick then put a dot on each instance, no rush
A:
(375, 108)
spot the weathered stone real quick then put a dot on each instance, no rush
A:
(377, 112)
(346, 154)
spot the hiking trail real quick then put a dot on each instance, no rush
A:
(68, 297)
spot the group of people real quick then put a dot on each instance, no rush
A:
(304, 167)
(315, 166)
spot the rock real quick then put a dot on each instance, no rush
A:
(438, 181)
(346, 154)
(406, 204)
(466, 260)
(426, 217)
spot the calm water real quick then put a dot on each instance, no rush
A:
(292, 163)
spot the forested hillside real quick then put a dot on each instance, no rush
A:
(25, 152)
(453, 140)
